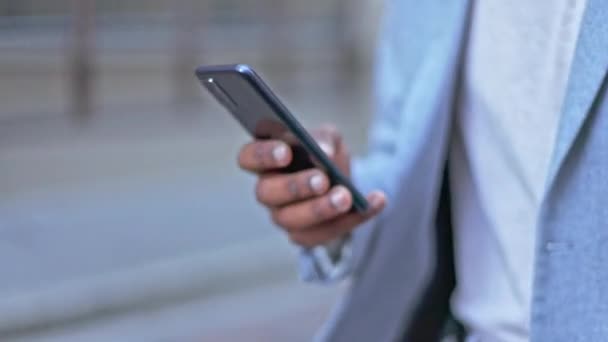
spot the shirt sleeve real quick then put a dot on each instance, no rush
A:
(326, 264)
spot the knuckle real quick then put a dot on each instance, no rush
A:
(304, 185)
(321, 209)
(293, 187)
(303, 182)
(259, 151)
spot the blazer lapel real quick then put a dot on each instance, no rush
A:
(588, 72)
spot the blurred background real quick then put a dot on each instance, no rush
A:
(123, 216)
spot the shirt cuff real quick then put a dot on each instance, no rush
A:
(326, 264)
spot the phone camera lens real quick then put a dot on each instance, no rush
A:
(220, 94)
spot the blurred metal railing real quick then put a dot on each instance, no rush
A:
(284, 33)
(82, 55)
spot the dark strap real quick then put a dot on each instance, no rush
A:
(455, 330)
(433, 311)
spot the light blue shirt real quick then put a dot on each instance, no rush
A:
(515, 76)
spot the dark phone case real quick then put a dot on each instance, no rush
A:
(282, 113)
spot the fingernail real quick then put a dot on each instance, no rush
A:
(377, 200)
(316, 183)
(279, 153)
(327, 148)
(338, 199)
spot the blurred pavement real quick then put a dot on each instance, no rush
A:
(106, 219)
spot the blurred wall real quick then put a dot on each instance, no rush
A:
(39, 40)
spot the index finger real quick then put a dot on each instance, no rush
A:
(264, 155)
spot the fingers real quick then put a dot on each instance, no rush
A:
(265, 155)
(280, 189)
(305, 214)
(339, 227)
(259, 156)
(299, 201)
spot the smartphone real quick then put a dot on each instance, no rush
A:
(240, 90)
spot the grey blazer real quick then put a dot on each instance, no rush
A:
(400, 282)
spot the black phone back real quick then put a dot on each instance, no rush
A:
(243, 93)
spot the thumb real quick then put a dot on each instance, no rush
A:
(327, 146)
